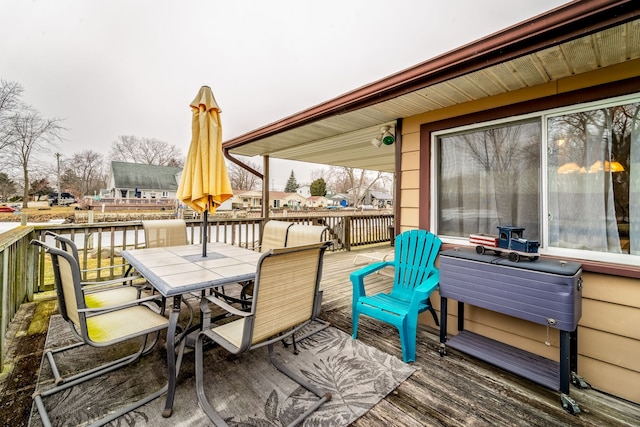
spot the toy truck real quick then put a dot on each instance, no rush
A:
(509, 240)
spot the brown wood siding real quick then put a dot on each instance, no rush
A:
(608, 335)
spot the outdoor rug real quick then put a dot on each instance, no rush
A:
(245, 389)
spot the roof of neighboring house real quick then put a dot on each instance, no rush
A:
(142, 176)
(283, 195)
(381, 195)
(247, 193)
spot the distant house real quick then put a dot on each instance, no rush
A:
(340, 199)
(278, 200)
(246, 199)
(317, 202)
(281, 199)
(304, 191)
(377, 198)
(137, 180)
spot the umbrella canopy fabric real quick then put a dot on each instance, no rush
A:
(205, 181)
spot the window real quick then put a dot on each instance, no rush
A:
(490, 177)
(594, 179)
(580, 166)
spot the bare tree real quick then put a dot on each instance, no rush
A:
(319, 173)
(355, 181)
(150, 151)
(242, 179)
(84, 173)
(10, 93)
(30, 133)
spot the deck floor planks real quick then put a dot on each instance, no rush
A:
(457, 390)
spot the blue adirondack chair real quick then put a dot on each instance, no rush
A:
(415, 278)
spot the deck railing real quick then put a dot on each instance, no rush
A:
(25, 271)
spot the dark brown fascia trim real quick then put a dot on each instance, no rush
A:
(559, 25)
(609, 90)
(246, 167)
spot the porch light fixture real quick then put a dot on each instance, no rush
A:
(386, 137)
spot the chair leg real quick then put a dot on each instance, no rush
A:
(65, 383)
(202, 397)
(323, 325)
(324, 396)
(354, 323)
(215, 417)
(408, 333)
(433, 312)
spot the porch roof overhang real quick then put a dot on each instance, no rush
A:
(575, 38)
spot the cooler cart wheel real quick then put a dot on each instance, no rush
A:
(514, 257)
(480, 249)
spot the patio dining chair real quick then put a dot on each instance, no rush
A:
(165, 232)
(301, 234)
(287, 234)
(103, 293)
(285, 293)
(415, 278)
(274, 235)
(97, 327)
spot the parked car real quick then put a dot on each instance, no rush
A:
(7, 209)
(66, 199)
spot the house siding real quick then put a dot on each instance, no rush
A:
(609, 338)
(409, 181)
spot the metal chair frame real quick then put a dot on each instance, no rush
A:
(285, 295)
(94, 327)
(103, 293)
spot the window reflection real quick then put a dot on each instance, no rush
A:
(490, 177)
(594, 180)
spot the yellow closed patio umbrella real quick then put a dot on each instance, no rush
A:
(205, 182)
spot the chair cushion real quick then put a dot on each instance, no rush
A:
(232, 332)
(120, 324)
(111, 297)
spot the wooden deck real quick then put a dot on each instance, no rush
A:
(455, 390)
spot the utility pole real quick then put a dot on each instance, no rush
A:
(59, 190)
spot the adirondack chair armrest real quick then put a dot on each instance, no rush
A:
(357, 277)
(422, 291)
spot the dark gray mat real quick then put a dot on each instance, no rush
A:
(245, 389)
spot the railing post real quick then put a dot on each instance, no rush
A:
(347, 232)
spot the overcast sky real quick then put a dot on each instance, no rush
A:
(125, 67)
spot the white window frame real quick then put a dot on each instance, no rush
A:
(623, 259)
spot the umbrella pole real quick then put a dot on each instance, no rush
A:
(205, 223)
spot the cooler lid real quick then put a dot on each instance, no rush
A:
(551, 266)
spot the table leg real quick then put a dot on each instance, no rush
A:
(171, 355)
